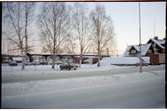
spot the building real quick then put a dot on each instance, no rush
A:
(134, 50)
(153, 48)
(47, 58)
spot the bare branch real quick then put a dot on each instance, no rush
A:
(102, 29)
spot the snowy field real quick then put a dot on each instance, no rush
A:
(89, 87)
(124, 60)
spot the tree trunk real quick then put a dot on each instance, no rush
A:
(22, 55)
(80, 60)
(81, 56)
(99, 54)
(53, 64)
(26, 36)
(54, 51)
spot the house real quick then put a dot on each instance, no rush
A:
(134, 50)
(157, 45)
(153, 48)
(5, 59)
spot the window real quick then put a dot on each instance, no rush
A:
(133, 51)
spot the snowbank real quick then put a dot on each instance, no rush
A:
(123, 60)
(14, 75)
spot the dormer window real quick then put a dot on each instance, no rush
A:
(149, 51)
(133, 51)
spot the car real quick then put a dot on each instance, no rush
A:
(68, 66)
(12, 63)
(43, 63)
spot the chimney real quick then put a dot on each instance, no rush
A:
(156, 37)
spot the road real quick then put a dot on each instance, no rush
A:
(130, 90)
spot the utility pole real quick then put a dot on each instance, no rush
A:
(140, 39)
(154, 27)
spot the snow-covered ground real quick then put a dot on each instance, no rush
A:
(89, 87)
(15, 74)
(124, 60)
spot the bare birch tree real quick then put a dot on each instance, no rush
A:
(102, 30)
(81, 28)
(70, 45)
(28, 11)
(53, 24)
(19, 21)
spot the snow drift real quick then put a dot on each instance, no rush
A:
(124, 60)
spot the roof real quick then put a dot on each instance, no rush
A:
(126, 51)
(17, 58)
(144, 49)
(159, 42)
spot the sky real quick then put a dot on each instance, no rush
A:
(125, 17)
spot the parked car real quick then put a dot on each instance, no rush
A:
(12, 63)
(44, 63)
(68, 66)
(58, 62)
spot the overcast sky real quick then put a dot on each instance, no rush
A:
(125, 21)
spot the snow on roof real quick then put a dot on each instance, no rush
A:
(161, 41)
(17, 58)
(136, 47)
(144, 49)
(158, 42)
(127, 51)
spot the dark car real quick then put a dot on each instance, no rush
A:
(68, 66)
(12, 63)
(44, 63)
